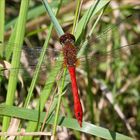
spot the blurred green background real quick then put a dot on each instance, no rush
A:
(108, 74)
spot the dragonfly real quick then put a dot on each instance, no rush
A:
(71, 60)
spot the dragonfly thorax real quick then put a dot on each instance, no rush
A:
(70, 52)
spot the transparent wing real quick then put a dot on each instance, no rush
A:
(96, 58)
(105, 32)
(117, 33)
(29, 61)
(96, 54)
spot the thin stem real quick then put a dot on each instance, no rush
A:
(94, 25)
(53, 18)
(19, 36)
(47, 111)
(59, 102)
(22, 133)
(77, 13)
(36, 73)
(2, 17)
(82, 50)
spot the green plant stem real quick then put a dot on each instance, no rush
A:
(20, 30)
(45, 93)
(96, 22)
(2, 16)
(59, 103)
(82, 50)
(36, 73)
(53, 18)
(96, 7)
(77, 14)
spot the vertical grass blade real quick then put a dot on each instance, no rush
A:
(19, 37)
(77, 14)
(85, 43)
(53, 18)
(2, 16)
(59, 103)
(45, 93)
(36, 73)
(96, 7)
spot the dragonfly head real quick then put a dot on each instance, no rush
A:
(67, 37)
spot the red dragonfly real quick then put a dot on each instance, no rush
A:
(70, 60)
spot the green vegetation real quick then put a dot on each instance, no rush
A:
(37, 90)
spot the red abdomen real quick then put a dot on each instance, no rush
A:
(77, 104)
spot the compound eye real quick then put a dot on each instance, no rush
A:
(67, 37)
